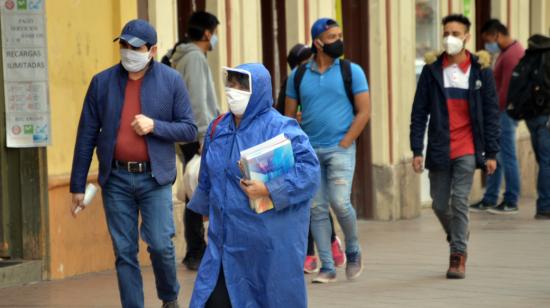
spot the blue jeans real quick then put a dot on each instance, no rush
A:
(507, 164)
(540, 138)
(337, 168)
(125, 196)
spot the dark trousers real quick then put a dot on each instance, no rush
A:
(220, 296)
(311, 242)
(539, 127)
(192, 222)
(450, 190)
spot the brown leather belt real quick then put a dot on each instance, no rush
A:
(133, 166)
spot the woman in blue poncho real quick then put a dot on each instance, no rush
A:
(253, 260)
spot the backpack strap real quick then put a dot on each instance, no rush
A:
(345, 69)
(215, 124)
(298, 76)
(280, 105)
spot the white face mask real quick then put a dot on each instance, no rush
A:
(453, 45)
(237, 100)
(134, 61)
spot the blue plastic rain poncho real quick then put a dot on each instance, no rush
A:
(262, 254)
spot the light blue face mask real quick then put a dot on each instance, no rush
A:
(492, 47)
(213, 41)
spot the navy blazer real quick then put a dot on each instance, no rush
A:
(431, 100)
(164, 98)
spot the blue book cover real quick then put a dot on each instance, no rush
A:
(265, 162)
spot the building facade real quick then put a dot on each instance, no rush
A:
(388, 38)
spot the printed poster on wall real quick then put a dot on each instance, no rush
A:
(25, 63)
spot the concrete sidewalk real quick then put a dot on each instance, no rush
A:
(508, 266)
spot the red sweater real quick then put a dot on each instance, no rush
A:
(129, 145)
(504, 66)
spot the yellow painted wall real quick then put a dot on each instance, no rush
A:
(404, 77)
(163, 16)
(295, 26)
(80, 35)
(540, 17)
(80, 44)
(378, 83)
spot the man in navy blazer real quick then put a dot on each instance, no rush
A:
(133, 114)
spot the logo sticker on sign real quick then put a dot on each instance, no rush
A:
(10, 4)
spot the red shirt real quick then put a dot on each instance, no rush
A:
(504, 66)
(129, 145)
(457, 78)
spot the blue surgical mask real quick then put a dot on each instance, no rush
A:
(492, 47)
(213, 41)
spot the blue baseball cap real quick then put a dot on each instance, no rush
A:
(137, 33)
(322, 25)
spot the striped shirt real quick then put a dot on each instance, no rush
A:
(456, 79)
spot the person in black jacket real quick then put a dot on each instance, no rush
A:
(297, 55)
(459, 98)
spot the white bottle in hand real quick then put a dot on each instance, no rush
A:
(89, 194)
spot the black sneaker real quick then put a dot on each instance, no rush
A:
(542, 216)
(171, 304)
(504, 208)
(481, 206)
(192, 262)
(354, 266)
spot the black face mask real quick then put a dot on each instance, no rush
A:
(334, 50)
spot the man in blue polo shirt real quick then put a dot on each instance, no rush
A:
(332, 123)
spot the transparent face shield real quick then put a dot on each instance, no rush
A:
(237, 79)
(238, 89)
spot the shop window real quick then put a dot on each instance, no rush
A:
(427, 34)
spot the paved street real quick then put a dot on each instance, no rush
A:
(508, 266)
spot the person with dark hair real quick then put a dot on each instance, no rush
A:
(498, 41)
(334, 97)
(133, 114)
(458, 19)
(490, 31)
(456, 99)
(189, 59)
(300, 54)
(297, 55)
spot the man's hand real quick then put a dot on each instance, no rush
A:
(143, 125)
(254, 189)
(491, 166)
(299, 117)
(344, 143)
(418, 164)
(78, 201)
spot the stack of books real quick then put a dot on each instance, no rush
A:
(265, 162)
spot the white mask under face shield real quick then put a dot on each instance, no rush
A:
(238, 89)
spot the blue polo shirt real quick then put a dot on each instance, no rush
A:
(327, 113)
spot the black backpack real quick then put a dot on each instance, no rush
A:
(345, 69)
(280, 103)
(529, 92)
(167, 58)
